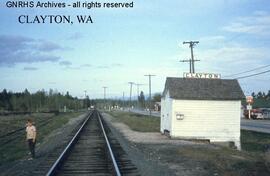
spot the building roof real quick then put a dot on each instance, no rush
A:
(203, 89)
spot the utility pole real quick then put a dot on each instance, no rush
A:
(149, 75)
(130, 94)
(190, 67)
(85, 98)
(105, 96)
(123, 99)
(191, 61)
(138, 92)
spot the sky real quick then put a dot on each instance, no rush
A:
(122, 45)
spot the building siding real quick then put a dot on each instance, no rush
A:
(166, 112)
(218, 121)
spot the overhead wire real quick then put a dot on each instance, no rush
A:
(255, 74)
(247, 71)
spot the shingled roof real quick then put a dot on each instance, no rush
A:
(203, 89)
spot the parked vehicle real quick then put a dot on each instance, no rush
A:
(254, 114)
(266, 113)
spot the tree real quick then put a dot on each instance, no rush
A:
(87, 102)
(268, 95)
(157, 97)
(259, 95)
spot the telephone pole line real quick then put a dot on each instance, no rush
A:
(149, 76)
(130, 94)
(138, 88)
(138, 93)
(123, 100)
(85, 93)
(85, 100)
(188, 60)
(104, 96)
(192, 60)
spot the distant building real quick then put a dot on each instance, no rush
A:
(202, 109)
(157, 106)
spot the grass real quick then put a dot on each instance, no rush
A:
(250, 141)
(225, 161)
(254, 159)
(255, 141)
(18, 148)
(11, 122)
(137, 122)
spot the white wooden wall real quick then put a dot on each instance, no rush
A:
(218, 121)
(166, 112)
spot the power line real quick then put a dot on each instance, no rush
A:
(253, 74)
(254, 69)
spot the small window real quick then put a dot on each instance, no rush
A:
(179, 116)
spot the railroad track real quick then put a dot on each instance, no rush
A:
(93, 151)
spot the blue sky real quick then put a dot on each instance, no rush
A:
(123, 45)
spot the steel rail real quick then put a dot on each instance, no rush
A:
(115, 166)
(57, 163)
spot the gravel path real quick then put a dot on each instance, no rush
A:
(143, 137)
(154, 154)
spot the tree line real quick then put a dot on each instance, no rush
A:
(261, 95)
(52, 100)
(261, 99)
(140, 101)
(40, 101)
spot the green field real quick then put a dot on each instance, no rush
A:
(18, 147)
(137, 122)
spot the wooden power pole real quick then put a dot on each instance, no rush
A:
(192, 60)
(149, 75)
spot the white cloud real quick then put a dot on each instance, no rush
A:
(65, 63)
(216, 38)
(257, 24)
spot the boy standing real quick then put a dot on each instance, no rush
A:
(31, 137)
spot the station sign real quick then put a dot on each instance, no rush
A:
(202, 75)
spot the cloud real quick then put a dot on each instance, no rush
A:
(114, 65)
(65, 63)
(117, 65)
(103, 67)
(85, 65)
(257, 24)
(30, 68)
(47, 46)
(216, 38)
(68, 65)
(19, 49)
(75, 36)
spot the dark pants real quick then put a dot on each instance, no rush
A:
(31, 145)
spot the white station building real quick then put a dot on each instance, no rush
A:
(207, 109)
